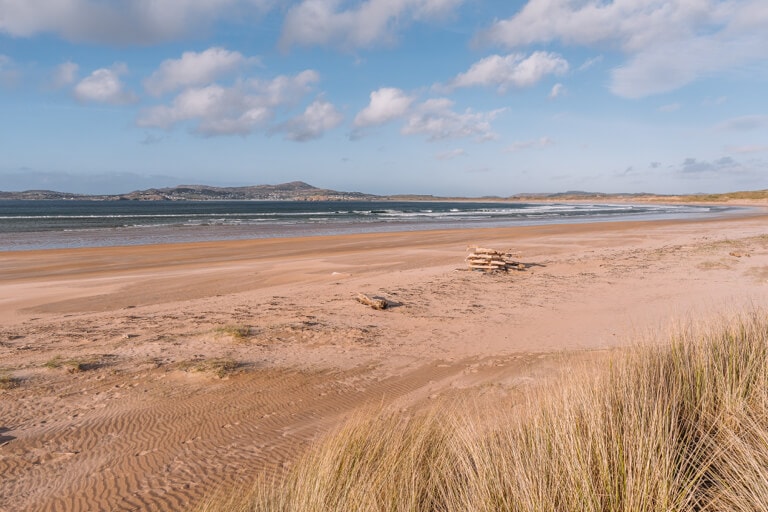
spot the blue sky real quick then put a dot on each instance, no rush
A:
(444, 97)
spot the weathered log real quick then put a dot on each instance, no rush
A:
(481, 256)
(481, 250)
(373, 302)
(486, 267)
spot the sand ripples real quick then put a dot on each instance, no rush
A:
(168, 439)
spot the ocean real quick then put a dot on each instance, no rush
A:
(28, 225)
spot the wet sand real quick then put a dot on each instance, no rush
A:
(147, 377)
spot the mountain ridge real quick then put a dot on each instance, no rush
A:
(302, 191)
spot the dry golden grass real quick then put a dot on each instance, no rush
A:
(8, 381)
(728, 196)
(238, 332)
(675, 427)
(74, 365)
(218, 366)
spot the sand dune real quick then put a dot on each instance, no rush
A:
(146, 378)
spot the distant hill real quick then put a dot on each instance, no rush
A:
(293, 191)
(300, 191)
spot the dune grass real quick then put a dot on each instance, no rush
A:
(8, 381)
(74, 365)
(745, 194)
(218, 366)
(681, 426)
(238, 332)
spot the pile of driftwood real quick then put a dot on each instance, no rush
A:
(491, 260)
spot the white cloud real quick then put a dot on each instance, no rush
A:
(385, 105)
(450, 155)
(513, 70)
(65, 74)
(557, 91)
(318, 118)
(194, 69)
(539, 143)
(240, 109)
(120, 21)
(669, 43)
(104, 86)
(591, 62)
(327, 22)
(436, 119)
(217, 110)
(745, 123)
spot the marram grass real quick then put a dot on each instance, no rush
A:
(676, 427)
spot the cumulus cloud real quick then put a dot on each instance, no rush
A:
(318, 118)
(194, 69)
(239, 109)
(118, 21)
(65, 74)
(513, 70)
(539, 143)
(436, 119)
(668, 43)
(328, 22)
(104, 86)
(385, 105)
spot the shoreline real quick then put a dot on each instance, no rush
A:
(742, 212)
(149, 376)
(142, 227)
(239, 247)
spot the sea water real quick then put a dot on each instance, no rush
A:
(69, 223)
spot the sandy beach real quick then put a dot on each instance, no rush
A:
(149, 377)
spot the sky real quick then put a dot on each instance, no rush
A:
(443, 97)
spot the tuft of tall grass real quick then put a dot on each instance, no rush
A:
(676, 427)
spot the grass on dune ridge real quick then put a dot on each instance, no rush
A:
(681, 426)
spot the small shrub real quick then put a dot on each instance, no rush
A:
(9, 381)
(220, 366)
(72, 365)
(237, 331)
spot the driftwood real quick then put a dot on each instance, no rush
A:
(491, 260)
(374, 302)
